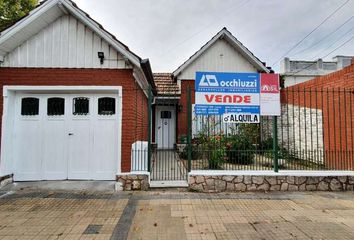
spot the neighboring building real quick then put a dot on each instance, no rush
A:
(74, 98)
(298, 71)
(317, 118)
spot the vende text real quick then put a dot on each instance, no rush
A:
(227, 98)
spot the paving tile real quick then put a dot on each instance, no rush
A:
(93, 229)
(177, 215)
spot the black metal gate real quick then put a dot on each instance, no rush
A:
(167, 159)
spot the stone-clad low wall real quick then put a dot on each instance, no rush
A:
(4, 180)
(129, 182)
(203, 183)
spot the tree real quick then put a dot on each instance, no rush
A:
(13, 10)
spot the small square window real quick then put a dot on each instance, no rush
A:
(29, 106)
(80, 106)
(106, 106)
(166, 114)
(55, 106)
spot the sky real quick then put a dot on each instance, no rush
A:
(168, 32)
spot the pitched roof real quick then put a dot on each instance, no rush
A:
(49, 10)
(226, 35)
(165, 84)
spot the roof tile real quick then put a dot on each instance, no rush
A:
(165, 84)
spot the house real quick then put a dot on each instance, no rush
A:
(74, 98)
(165, 111)
(222, 53)
(299, 71)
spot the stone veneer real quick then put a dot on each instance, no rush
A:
(6, 180)
(202, 183)
(129, 182)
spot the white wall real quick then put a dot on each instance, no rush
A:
(7, 134)
(303, 142)
(292, 80)
(220, 57)
(65, 43)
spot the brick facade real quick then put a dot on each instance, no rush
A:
(333, 95)
(182, 115)
(135, 111)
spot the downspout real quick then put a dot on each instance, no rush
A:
(1, 60)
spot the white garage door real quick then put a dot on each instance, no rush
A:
(65, 136)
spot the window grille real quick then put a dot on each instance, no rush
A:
(81, 106)
(166, 114)
(55, 106)
(29, 106)
(106, 106)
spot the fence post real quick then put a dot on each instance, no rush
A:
(275, 143)
(189, 129)
(149, 127)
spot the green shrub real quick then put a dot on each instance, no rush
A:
(240, 149)
(267, 144)
(215, 149)
(282, 154)
(216, 158)
(196, 153)
(267, 147)
(182, 139)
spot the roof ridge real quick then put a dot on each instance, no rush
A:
(224, 31)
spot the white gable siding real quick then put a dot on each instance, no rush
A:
(65, 43)
(220, 57)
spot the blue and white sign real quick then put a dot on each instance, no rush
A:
(218, 93)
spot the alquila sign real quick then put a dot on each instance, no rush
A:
(239, 97)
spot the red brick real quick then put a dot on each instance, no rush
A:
(338, 131)
(135, 111)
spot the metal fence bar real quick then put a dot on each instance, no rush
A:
(310, 134)
(275, 144)
(313, 132)
(189, 128)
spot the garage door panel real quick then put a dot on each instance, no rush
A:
(54, 150)
(67, 136)
(105, 150)
(28, 149)
(79, 150)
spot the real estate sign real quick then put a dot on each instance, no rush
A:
(270, 95)
(236, 96)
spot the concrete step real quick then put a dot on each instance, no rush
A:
(168, 184)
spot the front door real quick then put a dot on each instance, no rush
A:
(165, 127)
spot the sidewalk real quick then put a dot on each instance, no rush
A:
(49, 214)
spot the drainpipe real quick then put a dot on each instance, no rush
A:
(1, 60)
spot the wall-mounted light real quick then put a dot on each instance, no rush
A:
(101, 57)
(180, 108)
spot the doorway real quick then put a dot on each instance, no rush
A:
(165, 127)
